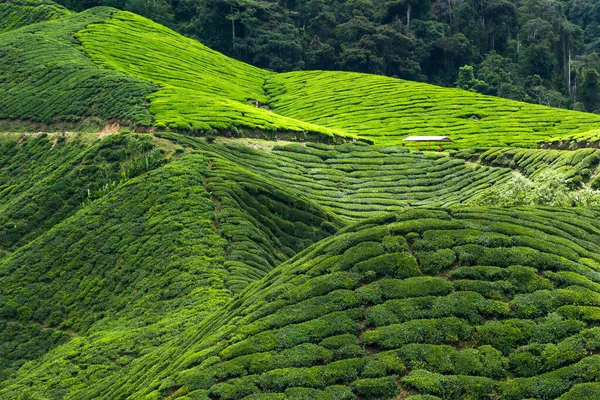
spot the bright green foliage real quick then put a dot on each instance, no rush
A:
(574, 141)
(168, 266)
(132, 294)
(201, 90)
(156, 77)
(576, 167)
(583, 391)
(101, 258)
(17, 13)
(387, 110)
(44, 78)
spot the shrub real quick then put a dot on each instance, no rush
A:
(433, 263)
(372, 388)
(507, 334)
(437, 331)
(399, 265)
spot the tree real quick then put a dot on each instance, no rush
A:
(466, 79)
(589, 91)
(394, 9)
(500, 20)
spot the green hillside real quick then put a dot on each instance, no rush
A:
(575, 140)
(174, 264)
(46, 79)
(357, 181)
(386, 110)
(150, 77)
(465, 303)
(201, 89)
(17, 13)
(116, 292)
(453, 303)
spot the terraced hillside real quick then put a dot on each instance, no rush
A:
(460, 303)
(356, 181)
(165, 265)
(578, 168)
(149, 77)
(575, 140)
(45, 179)
(116, 295)
(45, 78)
(201, 89)
(17, 13)
(386, 110)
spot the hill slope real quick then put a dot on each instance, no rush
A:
(117, 295)
(191, 88)
(454, 303)
(17, 13)
(162, 265)
(46, 79)
(386, 110)
(467, 303)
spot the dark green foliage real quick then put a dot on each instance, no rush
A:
(436, 331)
(433, 263)
(589, 91)
(374, 388)
(532, 51)
(450, 386)
(44, 180)
(221, 272)
(583, 391)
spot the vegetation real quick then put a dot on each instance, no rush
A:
(575, 141)
(15, 14)
(511, 302)
(201, 89)
(356, 181)
(387, 110)
(377, 308)
(166, 265)
(540, 51)
(548, 177)
(181, 85)
(44, 180)
(46, 79)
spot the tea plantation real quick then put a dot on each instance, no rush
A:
(195, 260)
(386, 110)
(104, 64)
(575, 140)
(17, 13)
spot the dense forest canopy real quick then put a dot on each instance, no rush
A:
(541, 51)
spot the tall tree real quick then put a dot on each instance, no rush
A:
(589, 91)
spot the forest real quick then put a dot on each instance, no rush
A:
(539, 51)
